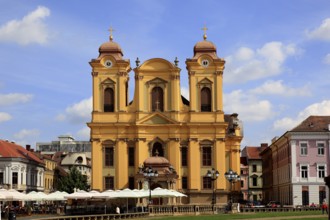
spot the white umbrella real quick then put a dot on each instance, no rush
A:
(127, 193)
(81, 194)
(160, 192)
(13, 195)
(141, 192)
(108, 194)
(36, 196)
(94, 192)
(57, 196)
(177, 194)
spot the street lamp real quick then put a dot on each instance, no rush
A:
(149, 174)
(232, 177)
(213, 174)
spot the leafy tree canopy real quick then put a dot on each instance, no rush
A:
(73, 180)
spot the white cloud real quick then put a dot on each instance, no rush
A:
(244, 53)
(4, 117)
(287, 123)
(278, 88)
(26, 136)
(326, 59)
(322, 32)
(78, 112)
(84, 133)
(247, 64)
(31, 29)
(26, 133)
(13, 98)
(185, 92)
(248, 106)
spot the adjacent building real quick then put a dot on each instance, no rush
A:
(191, 136)
(254, 163)
(20, 168)
(65, 143)
(49, 174)
(244, 178)
(267, 174)
(300, 161)
(82, 161)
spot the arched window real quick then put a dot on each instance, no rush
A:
(157, 99)
(109, 100)
(157, 149)
(206, 100)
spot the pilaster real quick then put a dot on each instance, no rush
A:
(121, 164)
(97, 164)
(194, 164)
(219, 164)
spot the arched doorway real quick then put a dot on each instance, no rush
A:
(157, 149)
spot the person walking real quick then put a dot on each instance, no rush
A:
(324, 206)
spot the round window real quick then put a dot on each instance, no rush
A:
(205, 63)
(108, 63)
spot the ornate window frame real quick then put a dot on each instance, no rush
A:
(151, 84)
(205, 83)
(105, 84)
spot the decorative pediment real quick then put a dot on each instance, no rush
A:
(108, 81)
(205, 81)
(156, 81)
(156, 118)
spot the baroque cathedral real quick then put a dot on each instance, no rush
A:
(182, 139)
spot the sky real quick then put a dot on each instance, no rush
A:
(277, 59)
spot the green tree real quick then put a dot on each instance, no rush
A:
(73, 180)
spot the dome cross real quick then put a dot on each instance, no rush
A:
(204, 29)
(111, 30)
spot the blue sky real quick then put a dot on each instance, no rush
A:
(277, 59)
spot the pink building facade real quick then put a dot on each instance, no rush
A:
(300, 161)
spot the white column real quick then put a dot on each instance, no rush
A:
(293, 161)
(24, 176)
(6, 174)
(38, 178)
(19, 177)
(10, 180)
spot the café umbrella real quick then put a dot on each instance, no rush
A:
(57, 196)
(13, 195)
(80, 194)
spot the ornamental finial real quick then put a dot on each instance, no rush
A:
(111, 30)
(204, 29)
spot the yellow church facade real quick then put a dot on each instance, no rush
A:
(193, 136)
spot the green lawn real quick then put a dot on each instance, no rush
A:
(300, 215)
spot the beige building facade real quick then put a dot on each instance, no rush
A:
(194, 136)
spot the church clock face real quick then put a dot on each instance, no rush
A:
(205, 63)
(108, 63)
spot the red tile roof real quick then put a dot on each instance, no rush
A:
(314, 123)
(253, 152)
(12, 150)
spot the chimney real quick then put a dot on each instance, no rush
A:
(264, 145)
(28, 147)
